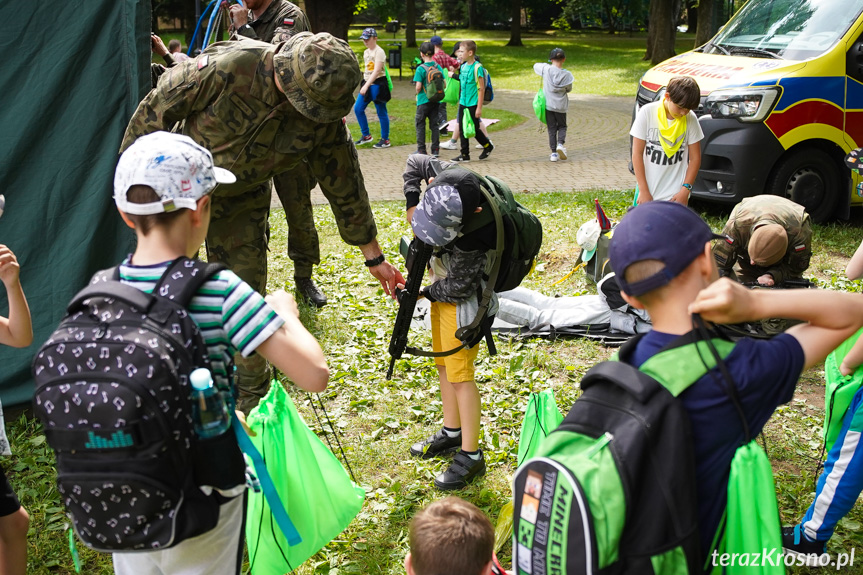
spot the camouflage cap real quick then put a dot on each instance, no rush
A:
(319, 74)
(438, 217)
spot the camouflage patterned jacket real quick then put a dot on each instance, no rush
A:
(773, 210)
(228, 102)
(280, 21)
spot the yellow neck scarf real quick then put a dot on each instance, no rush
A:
(671, 135)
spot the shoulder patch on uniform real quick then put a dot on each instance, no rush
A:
(288, 21)
(721, 260)
(800, 248)
(203, 60)
(729, 239)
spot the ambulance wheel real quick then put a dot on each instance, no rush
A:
(809, 177)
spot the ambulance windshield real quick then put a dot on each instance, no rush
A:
(785, 29)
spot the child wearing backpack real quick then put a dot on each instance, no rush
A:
(556, 83)
(162, 189)
(661, 252)
(450, 535)
(666, 144)
(457, 275)
(15, 331)
(471, 77)
(429, 79)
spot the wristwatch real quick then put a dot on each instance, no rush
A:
(687, 186)
(375, 261)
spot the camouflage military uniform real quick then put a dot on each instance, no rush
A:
(279, 22)
(760, 210)
(227, 100)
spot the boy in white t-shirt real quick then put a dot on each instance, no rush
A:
(666, 145)
(375, 89)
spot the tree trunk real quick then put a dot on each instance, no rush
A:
(705, 22)
(333, 16)
(609, 14)
(515, 25)
(663, 30)
(472, 17)
(411, 25)
(692, 19)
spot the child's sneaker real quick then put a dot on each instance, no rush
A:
(437, 444)
(460, 472)
(450, 145)
(561, 152)
(463, 158)
(382, 144)
(554, 157)
(363, 140)
(796, 544)
(486, 151)
(420, 152)
(436, 153)
(480, 146)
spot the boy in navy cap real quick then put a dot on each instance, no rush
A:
(662, 255)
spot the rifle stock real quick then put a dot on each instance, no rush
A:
(417, 258)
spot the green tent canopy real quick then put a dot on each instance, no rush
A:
(72, 75)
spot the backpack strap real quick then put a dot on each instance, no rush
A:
(637, 383)
(183, 278)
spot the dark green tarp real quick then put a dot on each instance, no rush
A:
(72, 74)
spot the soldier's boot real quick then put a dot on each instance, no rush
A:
(253, 380)
(308, 290)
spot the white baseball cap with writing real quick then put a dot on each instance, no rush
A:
(178, 169)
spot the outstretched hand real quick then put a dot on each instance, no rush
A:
(9, 268)
(389, 276)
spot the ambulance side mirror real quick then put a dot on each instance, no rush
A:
(854, 60)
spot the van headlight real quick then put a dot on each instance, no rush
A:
(744, 104)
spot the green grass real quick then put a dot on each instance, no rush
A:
(379, 419)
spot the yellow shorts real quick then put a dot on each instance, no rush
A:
(459, 366)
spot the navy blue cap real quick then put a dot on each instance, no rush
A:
(664, 231)
(436, 40)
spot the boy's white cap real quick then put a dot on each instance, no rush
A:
(587, 237)
(178, 169)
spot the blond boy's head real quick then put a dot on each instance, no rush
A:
(162, 175)
(654, 244)
(450, 536)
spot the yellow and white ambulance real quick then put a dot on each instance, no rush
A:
(781, 103)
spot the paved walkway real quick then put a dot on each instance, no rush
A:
(597, 145)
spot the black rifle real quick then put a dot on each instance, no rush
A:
(417, 257)
(790, 283)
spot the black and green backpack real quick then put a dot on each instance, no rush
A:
(612, 490)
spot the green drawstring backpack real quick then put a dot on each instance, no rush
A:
(468, 129)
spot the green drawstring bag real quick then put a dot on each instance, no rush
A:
(752, 515)
(539, 105)
(540, 418)
(450, 93)
(317, 492)
(839, 390)
(468, 129)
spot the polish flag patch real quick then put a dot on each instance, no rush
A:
(800, 248)
(288, 21)
(203, 61)
(729, 239)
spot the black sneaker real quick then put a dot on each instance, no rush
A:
(486, 151)
(382, 144)
(435, 445)
(460, 472)
(308, 290)
(363, 140)
(463, 158)
(795, 543)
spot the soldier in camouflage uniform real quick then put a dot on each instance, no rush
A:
(262, 109)
(276, 21)
(740, 256)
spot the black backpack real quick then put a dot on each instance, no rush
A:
(434, 85)
(612, 489)
(112, 392)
